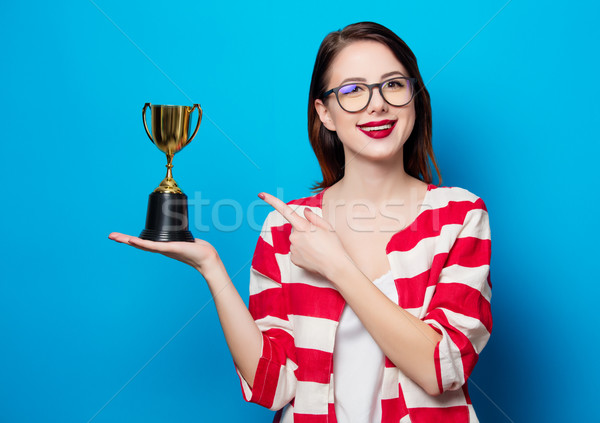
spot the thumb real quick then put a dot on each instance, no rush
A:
(316, 220)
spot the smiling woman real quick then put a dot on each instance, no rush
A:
(370, 300)
(326, 143)
(360, 116)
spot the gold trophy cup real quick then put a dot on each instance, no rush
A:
(167, 216)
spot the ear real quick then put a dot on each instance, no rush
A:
(324, 114)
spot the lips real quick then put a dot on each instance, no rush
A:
(378, 129)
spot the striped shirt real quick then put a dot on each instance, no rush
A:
(440, 265)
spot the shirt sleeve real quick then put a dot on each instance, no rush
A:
(460, 308)
(275, 380)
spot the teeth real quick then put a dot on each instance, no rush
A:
(376, 128)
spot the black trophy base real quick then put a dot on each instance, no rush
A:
(167, 218)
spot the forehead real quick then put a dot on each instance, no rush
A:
(364, 59)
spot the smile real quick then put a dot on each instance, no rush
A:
(379, 129)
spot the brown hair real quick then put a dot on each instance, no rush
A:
(326, 144)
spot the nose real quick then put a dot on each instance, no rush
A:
(377, 103)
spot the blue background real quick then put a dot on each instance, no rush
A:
(96, 331)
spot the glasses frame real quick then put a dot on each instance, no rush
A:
(336, 90)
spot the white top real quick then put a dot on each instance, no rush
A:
(358, 364)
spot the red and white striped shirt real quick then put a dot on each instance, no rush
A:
(440, 265)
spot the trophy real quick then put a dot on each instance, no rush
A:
(167, 216)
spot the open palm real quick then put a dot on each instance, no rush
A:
(196, 253)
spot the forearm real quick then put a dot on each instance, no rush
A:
(243, 337)
(407, 341)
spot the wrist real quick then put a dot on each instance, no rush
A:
(216, 277)
(210, 266)
(338, 269)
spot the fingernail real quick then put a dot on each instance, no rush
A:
(261, 195)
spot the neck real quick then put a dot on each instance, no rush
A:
(377, 182)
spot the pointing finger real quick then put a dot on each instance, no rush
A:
(297, 221)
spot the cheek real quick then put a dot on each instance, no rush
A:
(338, 122)
(408, 123)
(347, 132)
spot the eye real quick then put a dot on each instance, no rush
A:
(395, 84)
(351, 89)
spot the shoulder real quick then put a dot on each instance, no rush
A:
(453, 198)
(453, 194)
(457, 206)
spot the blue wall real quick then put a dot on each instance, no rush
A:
(92, 330)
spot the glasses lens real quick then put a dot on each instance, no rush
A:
(397, 92)
(353, 97)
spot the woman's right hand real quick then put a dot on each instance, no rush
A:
(199, 254)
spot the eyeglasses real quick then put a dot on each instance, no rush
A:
(355, 97)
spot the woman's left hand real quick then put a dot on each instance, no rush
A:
(314, 245)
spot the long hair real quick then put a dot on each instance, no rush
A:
(418, 149)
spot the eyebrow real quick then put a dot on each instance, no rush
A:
(385, 75)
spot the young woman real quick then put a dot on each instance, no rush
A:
(369, 301)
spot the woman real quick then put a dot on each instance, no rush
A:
(369, 301)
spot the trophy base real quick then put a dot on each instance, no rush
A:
(167, 218)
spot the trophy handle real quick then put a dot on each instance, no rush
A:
(144, 119)
(197, 125)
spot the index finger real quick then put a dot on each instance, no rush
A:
(297, 222)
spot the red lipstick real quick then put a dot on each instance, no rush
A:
(378, 129)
